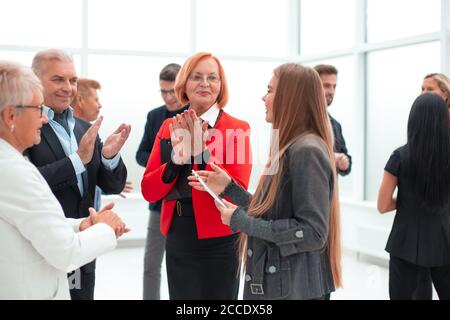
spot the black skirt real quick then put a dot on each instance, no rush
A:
(199, 269)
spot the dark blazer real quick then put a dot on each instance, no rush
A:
(49, 157)
(339, 144)
(287, 256)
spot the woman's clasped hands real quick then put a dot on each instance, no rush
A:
(188, 135)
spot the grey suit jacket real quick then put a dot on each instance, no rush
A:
(287, 256)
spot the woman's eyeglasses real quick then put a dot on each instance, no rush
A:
(211, 78)
(41, 108)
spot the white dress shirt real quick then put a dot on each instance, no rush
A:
(211, 115)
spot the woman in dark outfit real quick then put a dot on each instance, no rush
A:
(420, 237)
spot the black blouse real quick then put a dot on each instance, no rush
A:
(420, 234)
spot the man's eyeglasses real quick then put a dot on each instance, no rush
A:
(41, 108)
(211, 78)
(166, 93)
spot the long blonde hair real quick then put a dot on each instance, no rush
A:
(299, 107)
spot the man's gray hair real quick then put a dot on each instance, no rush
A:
(47, 55)
(18, 84)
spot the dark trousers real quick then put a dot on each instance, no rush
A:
(425, 286)
(408, 281)
(81, 285)
(200, 269)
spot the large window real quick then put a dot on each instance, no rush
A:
(128, 97)
(394, 81)
(388, 20)
(381, 48)
(162, 26)
(327, 25)
(22, 57)
(248, 83)
(27, 23)
(246, 28)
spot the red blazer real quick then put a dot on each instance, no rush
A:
(207, 217)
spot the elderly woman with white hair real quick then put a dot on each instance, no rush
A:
(38, 245)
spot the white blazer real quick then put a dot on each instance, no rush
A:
(38, 245)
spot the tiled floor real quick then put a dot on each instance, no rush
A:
(119, 276)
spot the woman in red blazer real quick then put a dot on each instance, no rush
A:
(201, 259)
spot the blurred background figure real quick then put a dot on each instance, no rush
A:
(420, 170)
(439, 84)
(86, 106)
(155, 242)
(328, 75)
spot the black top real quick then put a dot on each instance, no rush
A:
(339, 144)
(155, 119)
(420, 234)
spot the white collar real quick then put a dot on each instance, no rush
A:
(211, 115)
(10, 149)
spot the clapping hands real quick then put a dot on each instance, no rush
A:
(106, 216)
(188, 136)
(115, 141)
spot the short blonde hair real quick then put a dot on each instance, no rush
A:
(443, 83)
(18, 84)
(84, 84)
(185, 72)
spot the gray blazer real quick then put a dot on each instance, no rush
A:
(286, 254)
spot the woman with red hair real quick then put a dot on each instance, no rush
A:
(201, 261)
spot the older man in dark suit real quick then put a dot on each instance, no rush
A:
(71, 156)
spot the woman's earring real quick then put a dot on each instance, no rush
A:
(12, 128)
